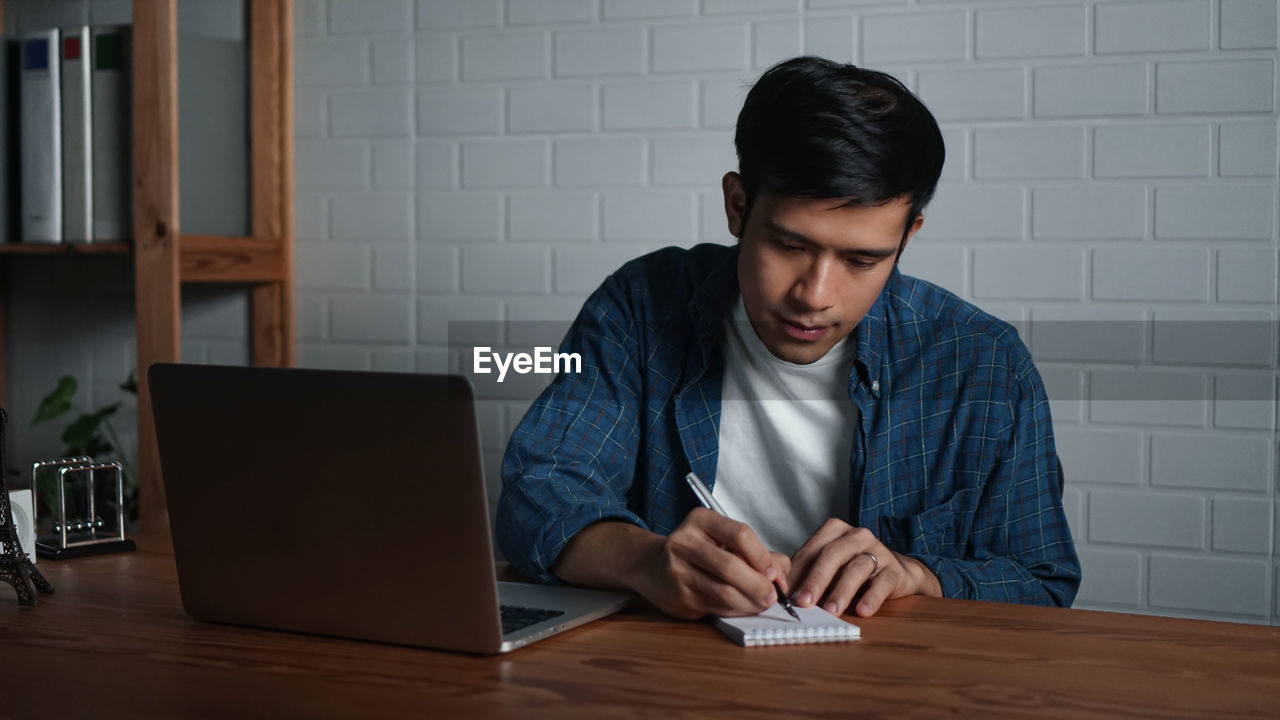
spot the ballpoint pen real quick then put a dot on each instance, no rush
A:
(710, 503)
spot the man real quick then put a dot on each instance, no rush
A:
(872, 435)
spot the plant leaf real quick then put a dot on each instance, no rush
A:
(104, 412)
(57, 403)
(97, 448)
(130, 385)
(79, 433)
(83, 434)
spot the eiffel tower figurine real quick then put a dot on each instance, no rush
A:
(16, 567)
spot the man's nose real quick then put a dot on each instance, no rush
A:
(812, 290)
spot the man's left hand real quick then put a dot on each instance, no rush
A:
(841, 560)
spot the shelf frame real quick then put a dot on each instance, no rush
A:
(163, 257)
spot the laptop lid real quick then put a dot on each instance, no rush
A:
(331, 502)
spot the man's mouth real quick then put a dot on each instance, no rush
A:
(801, 331)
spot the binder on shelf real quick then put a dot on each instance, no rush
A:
(112, 135)
(41, 142)
(77, 136)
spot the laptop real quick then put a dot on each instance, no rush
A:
(349, 504)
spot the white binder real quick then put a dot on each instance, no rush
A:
(40, 138)
(77, 136)
(112, 135)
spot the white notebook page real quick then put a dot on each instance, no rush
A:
(775, 627)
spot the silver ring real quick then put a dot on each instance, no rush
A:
(875, 563)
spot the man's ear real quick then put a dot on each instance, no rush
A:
(911, 232)
(735, 203)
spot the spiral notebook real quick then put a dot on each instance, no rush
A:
(775, 627)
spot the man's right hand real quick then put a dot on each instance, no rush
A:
(708, 565)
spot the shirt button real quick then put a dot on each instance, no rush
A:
(875, 386)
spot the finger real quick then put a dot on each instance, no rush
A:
(852, 577)
(879, 589)
(739, 539)
(804, 557)
(782, 563)
(828, 562)
(721, 598)
(698, 550)
(728, 569)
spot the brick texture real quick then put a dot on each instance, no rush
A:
(1152, 26)
(1161, 519)
(1091, 91)
(1209, 584)
(1031, 32)
(1189, 461)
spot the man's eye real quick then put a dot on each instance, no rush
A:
(861, 264)
(789, 247)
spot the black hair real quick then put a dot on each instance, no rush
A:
(814, 128)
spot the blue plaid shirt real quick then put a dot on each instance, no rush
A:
(955, 458)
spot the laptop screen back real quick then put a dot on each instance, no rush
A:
(331, 502)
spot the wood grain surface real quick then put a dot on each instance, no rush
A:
(156, 224)
(221, 259)
(113, 641)
(271, 119)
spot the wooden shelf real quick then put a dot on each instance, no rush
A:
(163, 257)
(201, 258)
(111, 248)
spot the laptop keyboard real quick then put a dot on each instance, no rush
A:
(515, 617)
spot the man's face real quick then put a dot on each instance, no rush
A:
(810, 269)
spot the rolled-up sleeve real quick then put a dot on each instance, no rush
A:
(571, 460)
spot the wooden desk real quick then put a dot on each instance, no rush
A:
(113, 642)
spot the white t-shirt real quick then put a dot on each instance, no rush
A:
(786, 433)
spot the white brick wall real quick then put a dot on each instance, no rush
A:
(1152, 150)
(355, 17)
(1116, 212)
(699, 48)
(1150, 274)
(599, 161)
(1029, 153)
(649, 105)
(1133, 518)
(552, 216)
(1152, 26)
(505, 56)
(553, 108)
(1112, 178)
(917, 36)
(1096, 90)
(617, 51)
(1222, 86)
(504, 163)
(1227, 588)
(975, 94)
(1031, 32)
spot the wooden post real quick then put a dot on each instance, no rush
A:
(155, 219)
(271, 118)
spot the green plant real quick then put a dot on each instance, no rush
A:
(92, 434)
